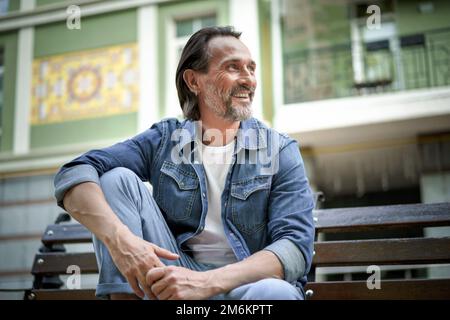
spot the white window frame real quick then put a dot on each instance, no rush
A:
(172, 105)
(358, 39)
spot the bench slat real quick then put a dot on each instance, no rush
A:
(60, 294)
(328, 220)
(331, 253)
(390, 289)
(66, 233)
(384, 251)
(366, 218)
(57, 263)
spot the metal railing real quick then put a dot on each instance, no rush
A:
(352, 69)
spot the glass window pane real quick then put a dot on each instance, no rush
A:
(184, 28)
(4, 5)
(208, 21)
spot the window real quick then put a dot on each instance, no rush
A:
(4, 6)
(315, 46)
(328, 51)
(372, 48)
(181, 30)
(185, 28)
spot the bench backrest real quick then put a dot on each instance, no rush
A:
(348, 252)
(381, 252)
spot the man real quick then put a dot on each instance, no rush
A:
(230, 216)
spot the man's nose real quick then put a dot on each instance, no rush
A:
(247, 79)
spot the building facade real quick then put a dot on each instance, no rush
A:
(364, 86)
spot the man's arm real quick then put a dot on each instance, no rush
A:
(178, 283)
(77, 190)
(132, 255)
(260, 265)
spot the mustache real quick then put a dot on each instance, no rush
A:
(241, 88)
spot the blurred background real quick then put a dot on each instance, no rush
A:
(365, 91)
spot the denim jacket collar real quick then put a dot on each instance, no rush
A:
(250, 135)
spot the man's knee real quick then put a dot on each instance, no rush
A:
(116, 177)
(272, 289)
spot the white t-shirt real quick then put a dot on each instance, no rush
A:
(211, 245)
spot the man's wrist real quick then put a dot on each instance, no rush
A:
(114, 237)
(216, 283)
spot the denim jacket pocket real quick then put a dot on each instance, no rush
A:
(178, 191)
(249, 200)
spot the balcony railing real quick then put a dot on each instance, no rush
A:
(351, 69)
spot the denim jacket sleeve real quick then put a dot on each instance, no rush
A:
(291, 226)
(136, 154)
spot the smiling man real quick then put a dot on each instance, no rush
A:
(230, 216)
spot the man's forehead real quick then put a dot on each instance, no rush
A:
(224, 48)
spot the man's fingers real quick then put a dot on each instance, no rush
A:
(163, 253)
(166, 294)
(159, 286)
(154, 275)
(158, 263)
(134, 285)
(145, 287)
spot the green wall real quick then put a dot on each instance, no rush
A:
(169, 11)
(96, 129)
(410, 20)
(98, 31)
(14, 5)
(40, 3)
(8, 42)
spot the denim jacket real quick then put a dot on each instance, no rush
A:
(266, 203)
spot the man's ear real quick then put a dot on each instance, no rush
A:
(190, 78)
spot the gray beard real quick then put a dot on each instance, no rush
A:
(231, 113)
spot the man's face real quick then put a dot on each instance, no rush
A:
(227, 89)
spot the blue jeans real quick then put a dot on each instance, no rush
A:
(134, 205)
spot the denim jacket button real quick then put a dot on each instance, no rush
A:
(204, 195)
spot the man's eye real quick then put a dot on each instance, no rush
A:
(233, 67)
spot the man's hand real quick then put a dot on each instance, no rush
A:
(134, 257)
(178, 283)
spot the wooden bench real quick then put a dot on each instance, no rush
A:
(347, 223)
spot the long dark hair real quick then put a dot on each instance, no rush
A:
(195, 56)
